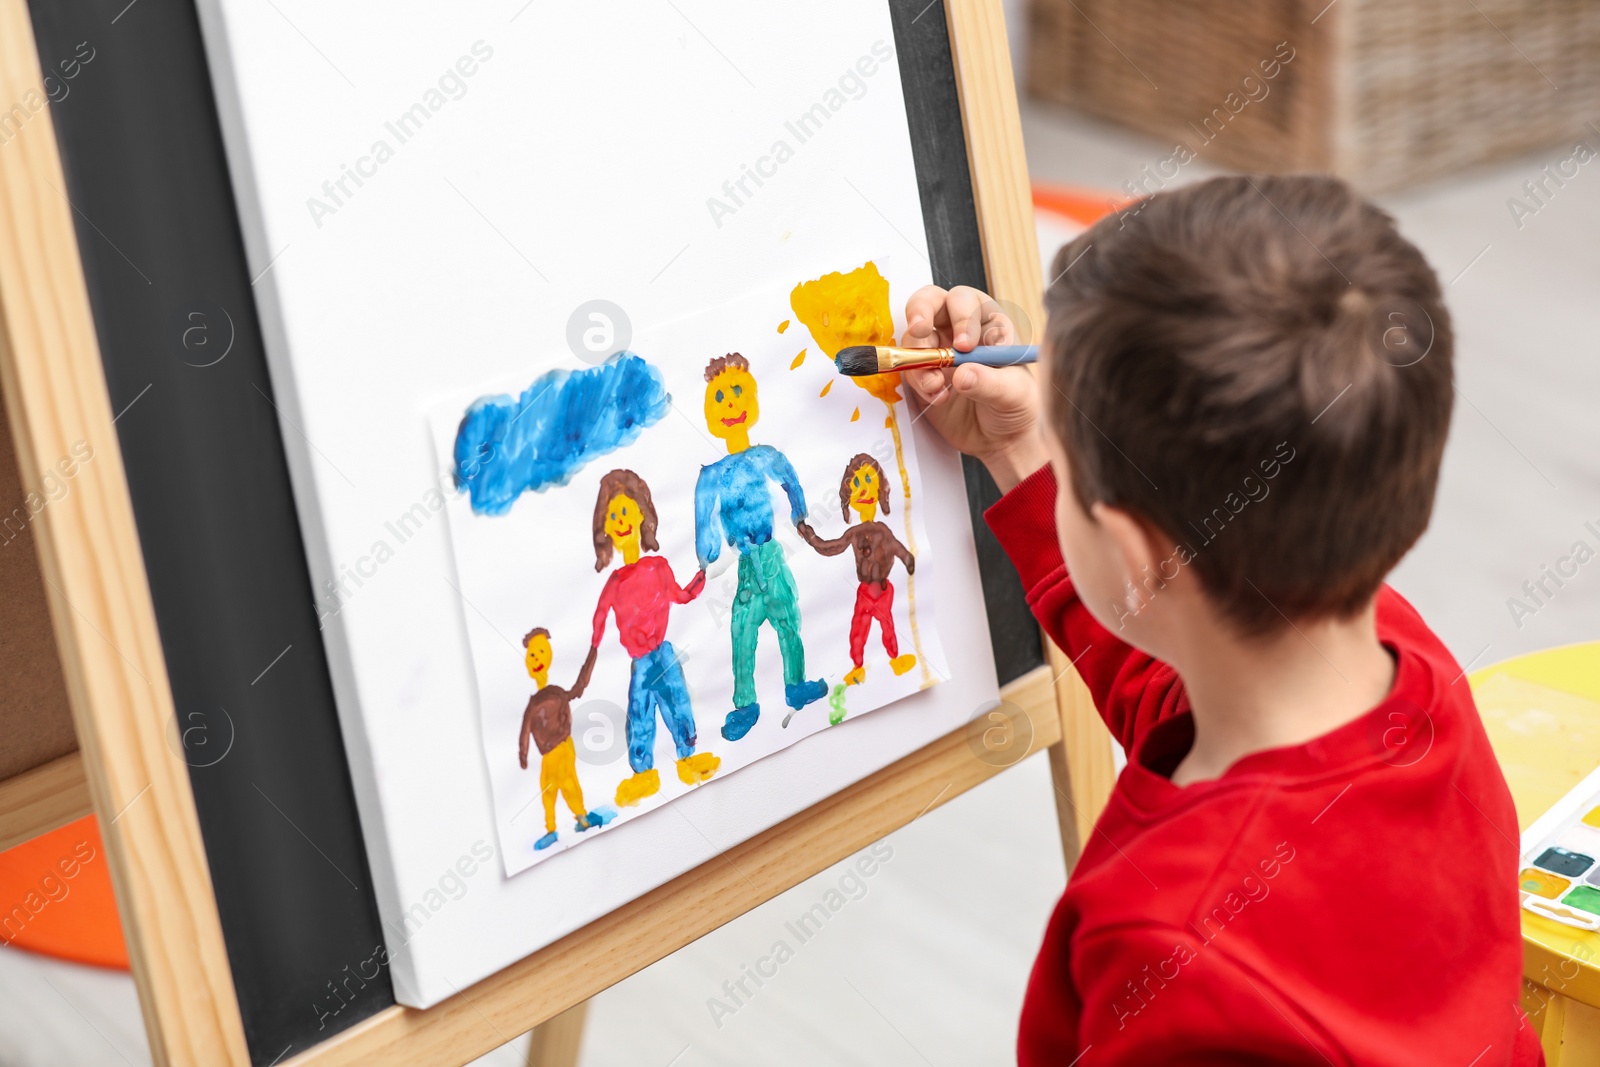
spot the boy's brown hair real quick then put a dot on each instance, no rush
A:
(1247, 338)
(861, 459)
(537, 631)
(722, 363)
(623, 481)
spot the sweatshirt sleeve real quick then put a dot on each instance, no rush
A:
(1132, 690)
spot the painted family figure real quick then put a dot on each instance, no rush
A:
(641, 593)
(876, 548)
(547, 722)
(733, 505)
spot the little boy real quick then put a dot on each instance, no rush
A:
(1236, 434)
(548, 721)
(876, 548)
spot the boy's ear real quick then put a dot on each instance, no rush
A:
(1138, 545)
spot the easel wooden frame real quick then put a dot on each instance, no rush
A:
(37, 801)
(104, 623)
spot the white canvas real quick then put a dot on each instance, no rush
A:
(583, 157)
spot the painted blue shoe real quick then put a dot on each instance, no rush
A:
(799, 695)
(598, 817)
(739, 721)
(545, 842)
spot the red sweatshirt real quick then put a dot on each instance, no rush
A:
(642, 593)
(1351, 900)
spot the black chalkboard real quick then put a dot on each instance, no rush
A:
(160, 243)
(202, 443)
(955, 248)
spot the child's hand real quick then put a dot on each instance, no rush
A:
(990, 413)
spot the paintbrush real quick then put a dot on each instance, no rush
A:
(860, 360)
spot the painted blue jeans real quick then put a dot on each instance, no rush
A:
(656, 684)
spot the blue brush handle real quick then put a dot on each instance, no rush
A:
(999, 355)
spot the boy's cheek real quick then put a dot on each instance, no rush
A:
(1081, 549)
(1064, 503)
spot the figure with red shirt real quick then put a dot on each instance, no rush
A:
(1234, 435)
(641, 593)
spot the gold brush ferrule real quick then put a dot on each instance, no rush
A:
(896, 359)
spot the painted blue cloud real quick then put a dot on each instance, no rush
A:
(508, 446)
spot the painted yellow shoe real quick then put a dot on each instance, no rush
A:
(692, 770)
(641, 785)
(856, 676)
(901, 664)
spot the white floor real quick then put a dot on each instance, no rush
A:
(54, 1013)
(927, 967)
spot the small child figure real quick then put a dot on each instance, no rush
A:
(876, 548)
(548, 720)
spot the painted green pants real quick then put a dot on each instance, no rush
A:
(766, 595)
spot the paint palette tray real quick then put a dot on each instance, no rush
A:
(1560, 873)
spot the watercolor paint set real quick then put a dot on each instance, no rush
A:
(1560, 873)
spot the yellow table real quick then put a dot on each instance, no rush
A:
(1542, 712)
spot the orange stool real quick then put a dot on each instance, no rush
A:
(1083, 206)
(56, 894)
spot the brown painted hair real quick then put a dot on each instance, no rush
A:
(623, 481)
(535, 632)
(1269, 338)
(861, 459)
(722, 363)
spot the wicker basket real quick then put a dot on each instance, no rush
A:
(1383, 92)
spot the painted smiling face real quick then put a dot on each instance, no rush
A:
(537, 657)
(864, 492)
(731, 405)
(623, 519)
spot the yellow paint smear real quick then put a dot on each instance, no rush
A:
(852, 308)
(842, 310)
(784, 325)
(827, 387)
(801, 358)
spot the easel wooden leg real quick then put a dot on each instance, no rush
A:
(556, 1043)
(1066, 817)
(1081, 767)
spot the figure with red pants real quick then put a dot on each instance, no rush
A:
(862, 490)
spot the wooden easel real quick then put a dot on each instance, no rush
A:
(110, 651)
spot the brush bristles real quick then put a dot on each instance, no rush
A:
(858, 360)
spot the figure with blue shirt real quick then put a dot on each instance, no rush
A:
(732, 502)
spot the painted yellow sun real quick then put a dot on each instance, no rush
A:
(844, 309)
